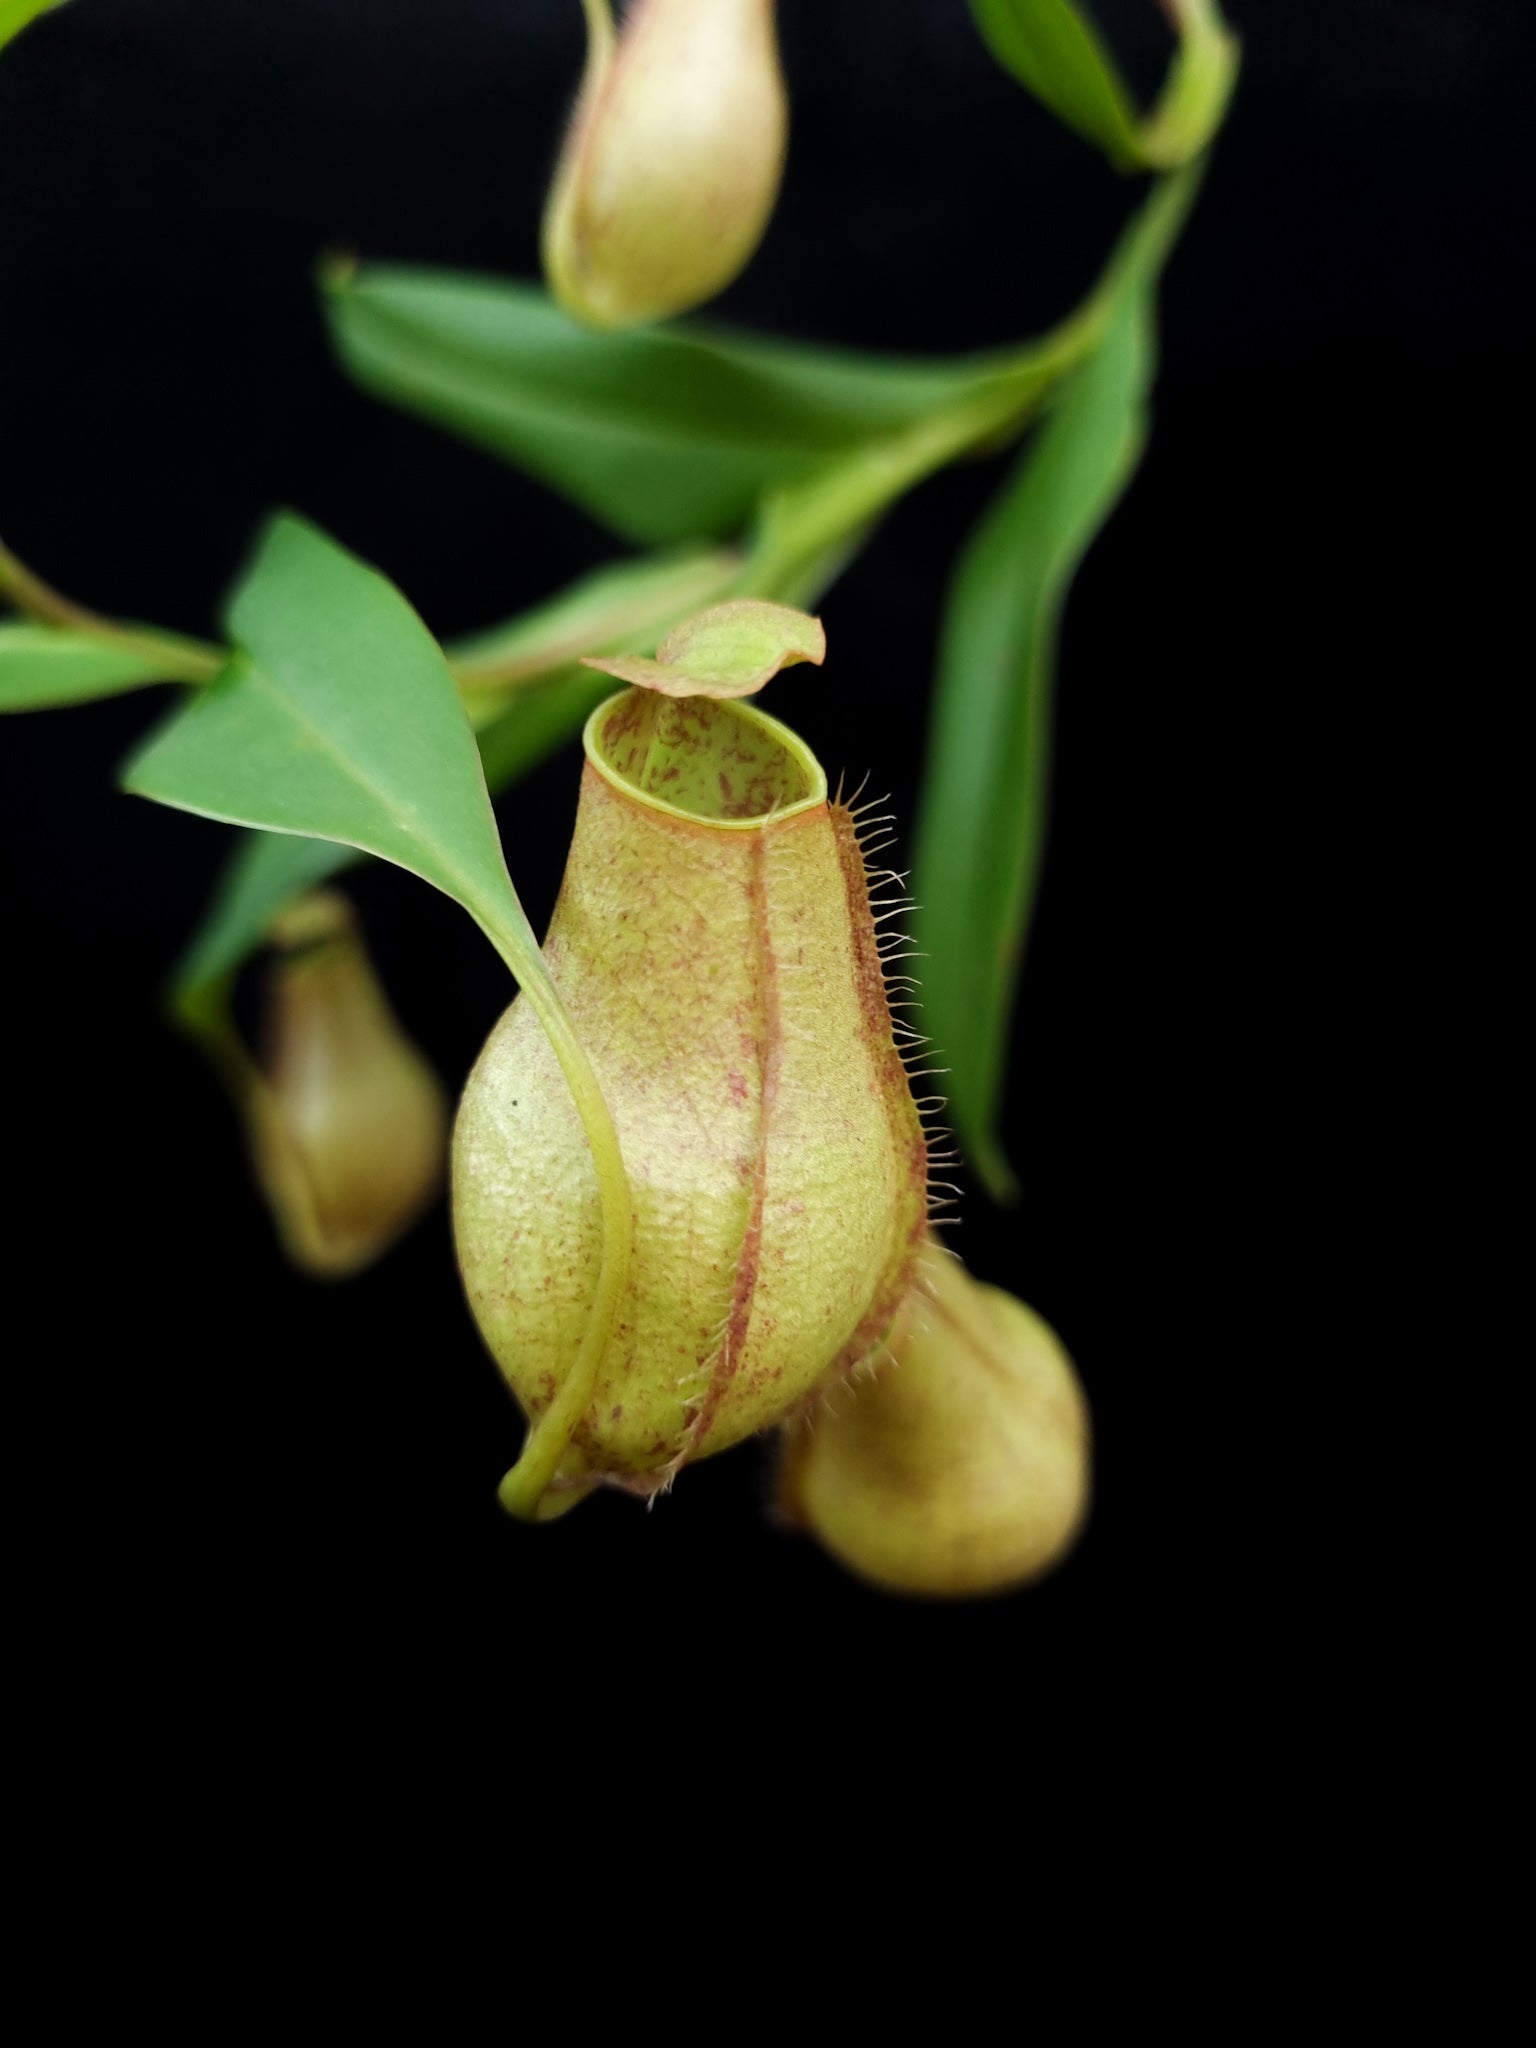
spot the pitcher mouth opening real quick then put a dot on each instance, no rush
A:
(711, 761)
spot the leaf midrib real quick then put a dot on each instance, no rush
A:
(380, 789)
(585, 412)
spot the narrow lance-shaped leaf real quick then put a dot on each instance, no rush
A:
(43, 666)
(661, 434)
(981, 828)
(1051, 47)
(15, 14)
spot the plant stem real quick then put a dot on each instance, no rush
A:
(1193, 102)
(801, 523)
(179, 660)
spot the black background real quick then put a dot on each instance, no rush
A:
(286, 1492)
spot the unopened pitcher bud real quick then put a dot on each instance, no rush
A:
(348, 1123)
(672, 163)
(714, 947)
(961, 1468)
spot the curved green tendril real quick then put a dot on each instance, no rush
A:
(522, 1490)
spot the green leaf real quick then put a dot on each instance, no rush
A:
(523, 689)
(337, 718)
(46, 665)
(1051, 47)
(527, 696)
(15, 14)
(268, 869)
(662, 434)
(1200, 82)
(981, 827)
